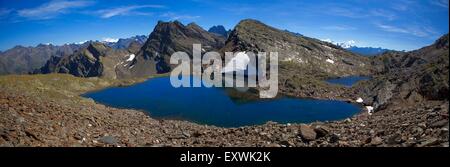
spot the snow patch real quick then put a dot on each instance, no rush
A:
(131, 57)
(369, 110)
(359, 100)
(330, 61)
(241, 61)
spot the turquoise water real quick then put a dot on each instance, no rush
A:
(214, 106)
(347, 81)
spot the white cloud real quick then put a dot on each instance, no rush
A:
(402, 5)
(174, 16)
(126, 10)
(419, 31)
(383, 13)
(107, 39)
(359, 13)
(441, 3)
(350, 12)
(52, 9)
(390, 28)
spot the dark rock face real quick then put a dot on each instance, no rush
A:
(84, 63)
(49, 66)
(307, 53)
(220, 30)
(410, 76)
(166, 39)
(23, 60)
(95, 60)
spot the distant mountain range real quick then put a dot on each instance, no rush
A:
(101, 59)
(163, 40)
(123, 43)
(365, 51)
(22, 60)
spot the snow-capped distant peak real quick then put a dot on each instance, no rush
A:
(345, 45)
(81, 42)
(327, 40)
(110, 40)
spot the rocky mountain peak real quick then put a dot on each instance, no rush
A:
(168, 26)
(220, 30)
(442, 42)
(166, 39)
(134, 46)
(313, 55)
(97, 48)
(194, 25)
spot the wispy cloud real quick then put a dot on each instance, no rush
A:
(402, 5)
(338, 28)
(174, 16)
(126, 11)
(441, 3)
(390, 28)
(419, 31)
(357, 12)
(351, 12)
(52, 9)
(4, 12)
(383, 13)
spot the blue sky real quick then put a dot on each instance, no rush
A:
(393, 24)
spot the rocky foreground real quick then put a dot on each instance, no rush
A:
(46, 110)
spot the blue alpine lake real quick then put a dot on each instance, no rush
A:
(218, 106)
(347, 81)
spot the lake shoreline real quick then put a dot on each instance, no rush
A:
(156, 96)
(36, 116)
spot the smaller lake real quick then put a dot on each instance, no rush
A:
(347, 81)
(216, 106)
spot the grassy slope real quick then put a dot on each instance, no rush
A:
(58, 85)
